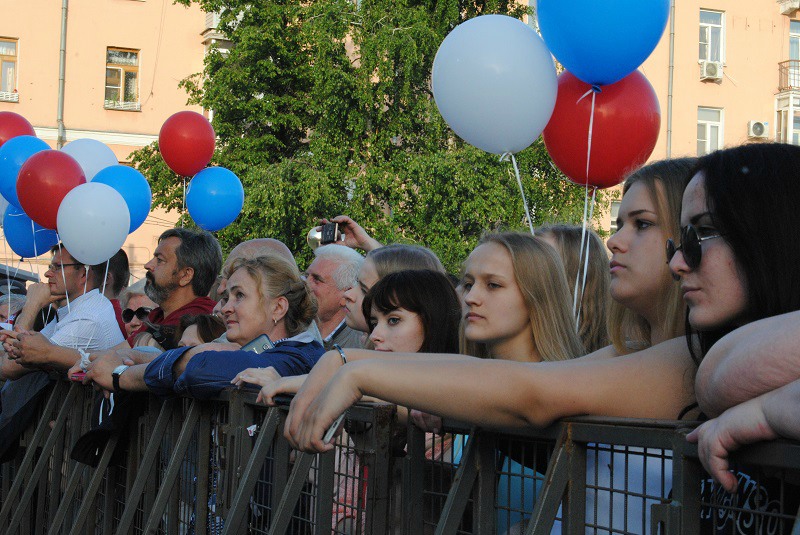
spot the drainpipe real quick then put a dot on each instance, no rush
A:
(62, 61)
(671, 73)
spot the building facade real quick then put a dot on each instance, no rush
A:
(120, 61)
(726, 73)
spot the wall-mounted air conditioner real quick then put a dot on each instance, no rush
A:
(757, 129)
(711, 70)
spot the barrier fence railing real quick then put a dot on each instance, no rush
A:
(222, 466)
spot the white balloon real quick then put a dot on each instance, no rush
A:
(93, 156)
(93, 222)
(494, 83)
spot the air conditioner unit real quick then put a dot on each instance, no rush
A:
(757, 129)
(710, 70)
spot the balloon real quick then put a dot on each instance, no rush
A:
(627, 119)
(3, 206)
(133, 187)
(13, 154)
(602, 42)
(93, 222)
(92, 156)
(214, 198)
(186, 142)
(13, 125)
(25, 237)
(494, 83)
(43, 182)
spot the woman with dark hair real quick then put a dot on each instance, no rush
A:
(735, 270)
(424, 299)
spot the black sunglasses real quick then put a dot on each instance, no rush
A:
(690, 246)
(141, 313)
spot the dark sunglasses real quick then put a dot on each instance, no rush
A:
(141, 313)
(690, 246)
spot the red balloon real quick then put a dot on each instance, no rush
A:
(186, 142)
(44, 180)
(627, 119)
(13, 125)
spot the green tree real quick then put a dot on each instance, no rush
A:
(324, 107)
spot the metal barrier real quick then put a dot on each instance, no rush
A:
(222, 466)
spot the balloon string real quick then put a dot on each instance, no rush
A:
(33, 234)
(184, 195)
(8, 273)
(63, 277)
(575, 293)
(585, 262)
(105, 278)
(504, 157)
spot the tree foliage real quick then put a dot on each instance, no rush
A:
(324, 107)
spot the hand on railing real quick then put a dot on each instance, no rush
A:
(325, 368)
(282, 385)
(256, 376)
(427, 422)
(309, 418)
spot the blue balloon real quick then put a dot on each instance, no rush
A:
(133, 187)
(25, 237)
(13, 154)
(214, 198)
(602, 42)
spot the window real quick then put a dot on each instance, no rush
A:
(712, 36)
(8, 70)
(122, 79)
(794, 53)
(709, 130)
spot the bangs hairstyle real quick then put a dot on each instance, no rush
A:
(401, 256)
(665, 181)
(593, 328)
(275, 276)
(430, 295)
(540, 275)
(753, 194)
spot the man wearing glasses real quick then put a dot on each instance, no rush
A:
(85, 319)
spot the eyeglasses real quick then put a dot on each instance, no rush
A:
(141, 313)
(690, 246)
(56, 267)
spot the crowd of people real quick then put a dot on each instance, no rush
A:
(533, 329)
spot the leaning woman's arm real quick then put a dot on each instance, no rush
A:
(655, 383)
(754, 359)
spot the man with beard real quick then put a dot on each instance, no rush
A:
(179, 277)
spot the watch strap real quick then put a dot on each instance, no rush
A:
(119, 370)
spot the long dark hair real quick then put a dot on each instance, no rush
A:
(753, 196)
(427, 293)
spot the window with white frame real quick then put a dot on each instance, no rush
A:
(709, 130)
(122, 79)
(794, 53)
(8, 70)
(614, 214)
(712, 35)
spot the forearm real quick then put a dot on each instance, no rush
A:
(727, 376)
(132, 380)
(27, 317)
(782, 410)
(62, 358)
(10, 369)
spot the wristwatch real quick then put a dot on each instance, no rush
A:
(119, 370)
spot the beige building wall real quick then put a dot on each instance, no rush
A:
(755, 41)
(169, 41)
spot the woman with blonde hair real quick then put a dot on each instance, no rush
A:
(591, 306)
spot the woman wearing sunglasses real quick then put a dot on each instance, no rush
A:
(737, 262)
(137, 307)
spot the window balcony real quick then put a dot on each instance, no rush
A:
(9, 96)
(789, 75)
(788, 7)
(123, 106)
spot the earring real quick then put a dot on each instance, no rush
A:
(274, 321)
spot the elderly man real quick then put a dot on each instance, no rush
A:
(333, 272)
